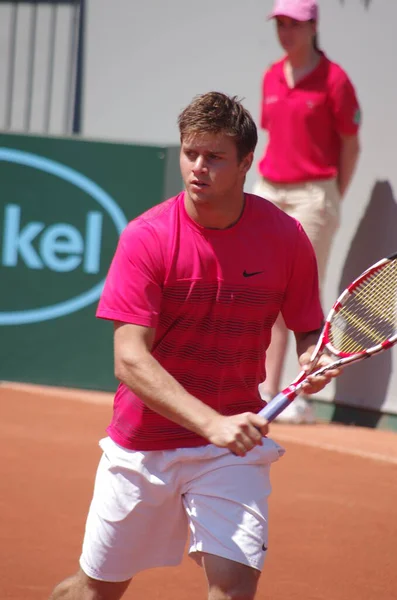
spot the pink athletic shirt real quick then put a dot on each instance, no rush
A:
(305, 123)
(212, 297)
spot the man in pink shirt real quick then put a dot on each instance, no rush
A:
(194, 288)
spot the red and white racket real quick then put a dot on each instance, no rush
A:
(361, 323)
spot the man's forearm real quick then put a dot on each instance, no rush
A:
(306, 342)
(164, 394)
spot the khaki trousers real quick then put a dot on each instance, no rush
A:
(315, 204)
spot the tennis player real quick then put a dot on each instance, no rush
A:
(310, 111)
(194, 288)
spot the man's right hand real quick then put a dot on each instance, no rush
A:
(240, 433)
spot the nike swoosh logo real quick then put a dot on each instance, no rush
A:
(245, 274)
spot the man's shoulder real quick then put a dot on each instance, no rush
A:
(158, 218)
(158, 213)
(266, 212)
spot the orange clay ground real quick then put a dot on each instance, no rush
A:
(333, 511)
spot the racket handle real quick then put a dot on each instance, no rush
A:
(277, 404)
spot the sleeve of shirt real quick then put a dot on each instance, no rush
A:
(301, 308)
(345, 107)
(133, 287)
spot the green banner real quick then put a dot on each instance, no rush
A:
(63, 205)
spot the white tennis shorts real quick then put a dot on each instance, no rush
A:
(143, 503)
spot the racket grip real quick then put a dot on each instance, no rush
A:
(277, 405)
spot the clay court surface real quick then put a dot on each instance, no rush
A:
(333, 525)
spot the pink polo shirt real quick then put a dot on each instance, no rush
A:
(212, 297)
(305, 123)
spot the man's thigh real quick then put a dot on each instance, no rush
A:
(136, 519)
(227, 506)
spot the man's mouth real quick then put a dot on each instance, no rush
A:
(199, 184)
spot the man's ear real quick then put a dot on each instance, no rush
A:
(246, 162)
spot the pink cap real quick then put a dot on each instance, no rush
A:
(300, 10)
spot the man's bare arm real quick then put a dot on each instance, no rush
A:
(137, 368)
(305, 346)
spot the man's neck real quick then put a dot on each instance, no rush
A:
(211, 217)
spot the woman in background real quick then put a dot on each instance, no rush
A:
(312, 116)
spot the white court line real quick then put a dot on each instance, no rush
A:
(341, 450)
(86, 396)
(106, 398)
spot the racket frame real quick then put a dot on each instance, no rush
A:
(288, 394)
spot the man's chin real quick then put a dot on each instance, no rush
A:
(199, 197)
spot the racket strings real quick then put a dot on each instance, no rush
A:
(368, 317)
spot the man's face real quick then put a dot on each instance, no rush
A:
(210, 167)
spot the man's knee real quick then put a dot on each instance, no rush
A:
(240, 591)
(66, 589)
(229, 580)
(82, 587)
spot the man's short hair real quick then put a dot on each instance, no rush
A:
(215, 112)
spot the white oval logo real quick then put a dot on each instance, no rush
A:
(60, 309)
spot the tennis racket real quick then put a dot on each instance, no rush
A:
(361, 323)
